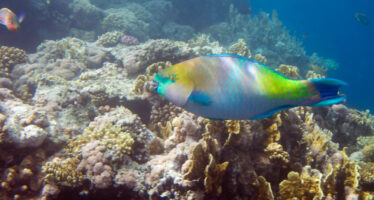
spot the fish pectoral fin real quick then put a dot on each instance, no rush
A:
(200, 97)
(271, 112)
(178, 93)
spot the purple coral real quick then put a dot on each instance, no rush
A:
(129, 40)
(96, 166)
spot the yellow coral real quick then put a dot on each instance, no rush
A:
(166, 131)
(306, 185)
(264, 191)
(9, 57)
(368, 153)
(213, 176)
(272, 134)
(366, 171)
(289, 70)
(233, 126)
(200, 158)
(313, 75)
(276, 152)
(260, 58)
(318, 141)
(139, 84)
(62, 172)
(240, 48)
(111, 136)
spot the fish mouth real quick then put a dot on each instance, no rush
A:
(154, 85)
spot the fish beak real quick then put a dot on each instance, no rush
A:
(154, 85)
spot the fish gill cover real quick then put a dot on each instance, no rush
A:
(80, 118)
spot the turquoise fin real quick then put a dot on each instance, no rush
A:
(329, 102)
(328, 89)
(271, 112)
(200, 97)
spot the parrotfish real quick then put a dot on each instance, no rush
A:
(10, 20)
(228, 86)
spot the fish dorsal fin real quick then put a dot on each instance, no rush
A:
(178, 93)
(230, 55)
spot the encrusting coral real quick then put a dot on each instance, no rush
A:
(110, 39)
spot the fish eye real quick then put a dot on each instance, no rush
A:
(172, 77)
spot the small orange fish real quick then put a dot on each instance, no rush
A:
(10, 20)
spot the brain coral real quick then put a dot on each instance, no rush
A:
(10, 56)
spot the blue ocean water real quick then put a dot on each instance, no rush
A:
(332, 31)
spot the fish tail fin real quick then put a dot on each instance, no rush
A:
(328, 89)
(21, 17)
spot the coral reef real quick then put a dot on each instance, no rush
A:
(82, 118)
(9, 57)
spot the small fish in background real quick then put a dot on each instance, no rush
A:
(10, 20)
(243, 6)
(228, 86)
(362, 18)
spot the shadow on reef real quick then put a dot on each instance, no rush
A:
(103, 194)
